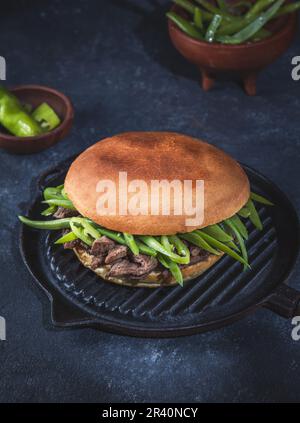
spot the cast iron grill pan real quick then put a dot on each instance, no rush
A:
(220, 296)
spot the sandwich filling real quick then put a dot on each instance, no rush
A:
(137, 256)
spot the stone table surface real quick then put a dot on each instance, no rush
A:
(114, 59)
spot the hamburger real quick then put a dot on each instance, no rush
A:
(146, 248)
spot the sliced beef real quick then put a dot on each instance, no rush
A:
(97, 262)
(61, 213)
(139, 267)
(194, 250)
(118, 252)
(102, 246)
(146, 263)
(122, 268)
(72, 244)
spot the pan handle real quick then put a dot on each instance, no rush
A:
(285, 301)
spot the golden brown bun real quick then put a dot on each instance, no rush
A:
(157, 155)
(154, 279)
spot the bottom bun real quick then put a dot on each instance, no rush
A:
(154, 279)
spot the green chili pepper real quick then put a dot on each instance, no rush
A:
(172, 267)
(258, 7)
(14, 118)
(198, 21)
(156, 245)
(260, 199)
(197, 239)
(52, 193)
(115, 236)
(166, 243)
(289, 8)
(261, 35)
(236, 221)
(252, 28)
(144, 249)
(49, 211)
(185, 25)
(186, 5)
(79, 231)
(212, 29)
(254, 216)
(46, 117)
(87, 227)
(244, 212)
(130, 241)
(70, 236)
(224, 248)
(215, 10)
(66, 204)
(180, 246)
(217, 232)
(240, 240)
(46, 224)
(222, 5)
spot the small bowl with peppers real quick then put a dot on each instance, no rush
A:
(33, 118)
(237, 38)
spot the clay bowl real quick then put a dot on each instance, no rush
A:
(35, 95)
(244, 60)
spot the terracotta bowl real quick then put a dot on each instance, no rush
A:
(35, 95)
(245, 60)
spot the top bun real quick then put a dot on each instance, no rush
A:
(157, 156)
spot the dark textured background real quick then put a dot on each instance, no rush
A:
(114, 59)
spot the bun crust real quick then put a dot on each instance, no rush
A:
(157, 156)
(155, 279)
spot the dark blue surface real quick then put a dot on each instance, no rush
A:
(115, 61)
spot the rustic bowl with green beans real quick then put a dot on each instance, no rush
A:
(239, 38)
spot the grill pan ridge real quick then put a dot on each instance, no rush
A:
(223, 294)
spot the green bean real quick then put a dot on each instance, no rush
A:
(257, 8)
(254, 216)
(240, 239)
(49, 211)
(144, 249)
(217, 232)
(80, 233)
(198, 21)
(236, 221)
(66, 204)
(224, 248)
(212, 29)
(197, 239)
(185, 26)
(131, 244)
(252, 28)
(153, 243)
(260, 199)
(180, 246)
(289, 8)
(70, 236)
(46, 224)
